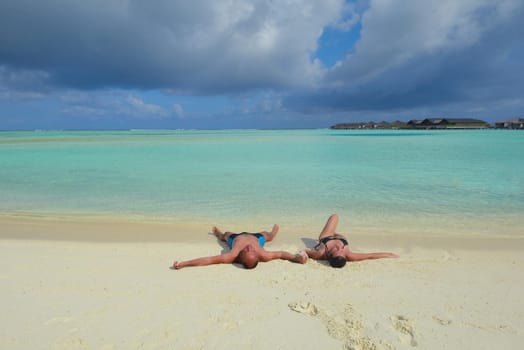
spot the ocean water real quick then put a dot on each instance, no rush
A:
(427, 182)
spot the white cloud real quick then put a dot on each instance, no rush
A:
(108, 103)
(16, 84)
(137, 107)
(394, 32)
(349, 17)
(178, 110)
(459, 58)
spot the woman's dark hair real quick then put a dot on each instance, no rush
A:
(337, 261)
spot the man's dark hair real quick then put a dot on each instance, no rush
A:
(250, 267)
(337, 261)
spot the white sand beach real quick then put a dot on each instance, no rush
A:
(85, 285)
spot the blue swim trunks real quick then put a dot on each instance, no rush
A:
(231, 238)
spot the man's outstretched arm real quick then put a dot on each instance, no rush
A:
(207, 260)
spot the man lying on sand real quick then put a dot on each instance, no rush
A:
(246, 249)
(334, 247)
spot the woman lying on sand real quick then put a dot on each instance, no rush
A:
(246, 249)
(334, 247)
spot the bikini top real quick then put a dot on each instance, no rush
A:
(331, 238)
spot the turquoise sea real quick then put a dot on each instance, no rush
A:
(387, 181)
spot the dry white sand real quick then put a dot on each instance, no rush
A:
(67, 285)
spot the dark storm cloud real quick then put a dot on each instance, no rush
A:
(198, 46)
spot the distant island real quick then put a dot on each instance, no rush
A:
(434, 123)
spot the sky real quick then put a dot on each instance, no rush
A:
(207, 64)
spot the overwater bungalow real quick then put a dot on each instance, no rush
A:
(447, 123)
(517, 123)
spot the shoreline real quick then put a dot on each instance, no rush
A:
(503, 226)
(27, 227)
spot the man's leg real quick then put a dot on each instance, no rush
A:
(221, 235)
(269, 236)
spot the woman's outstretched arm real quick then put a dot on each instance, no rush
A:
(365, 256)
(316, 254)
(300, 258)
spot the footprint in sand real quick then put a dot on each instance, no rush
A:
(441, 321)
(405, 327)
(304, 308)
(345, 326)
